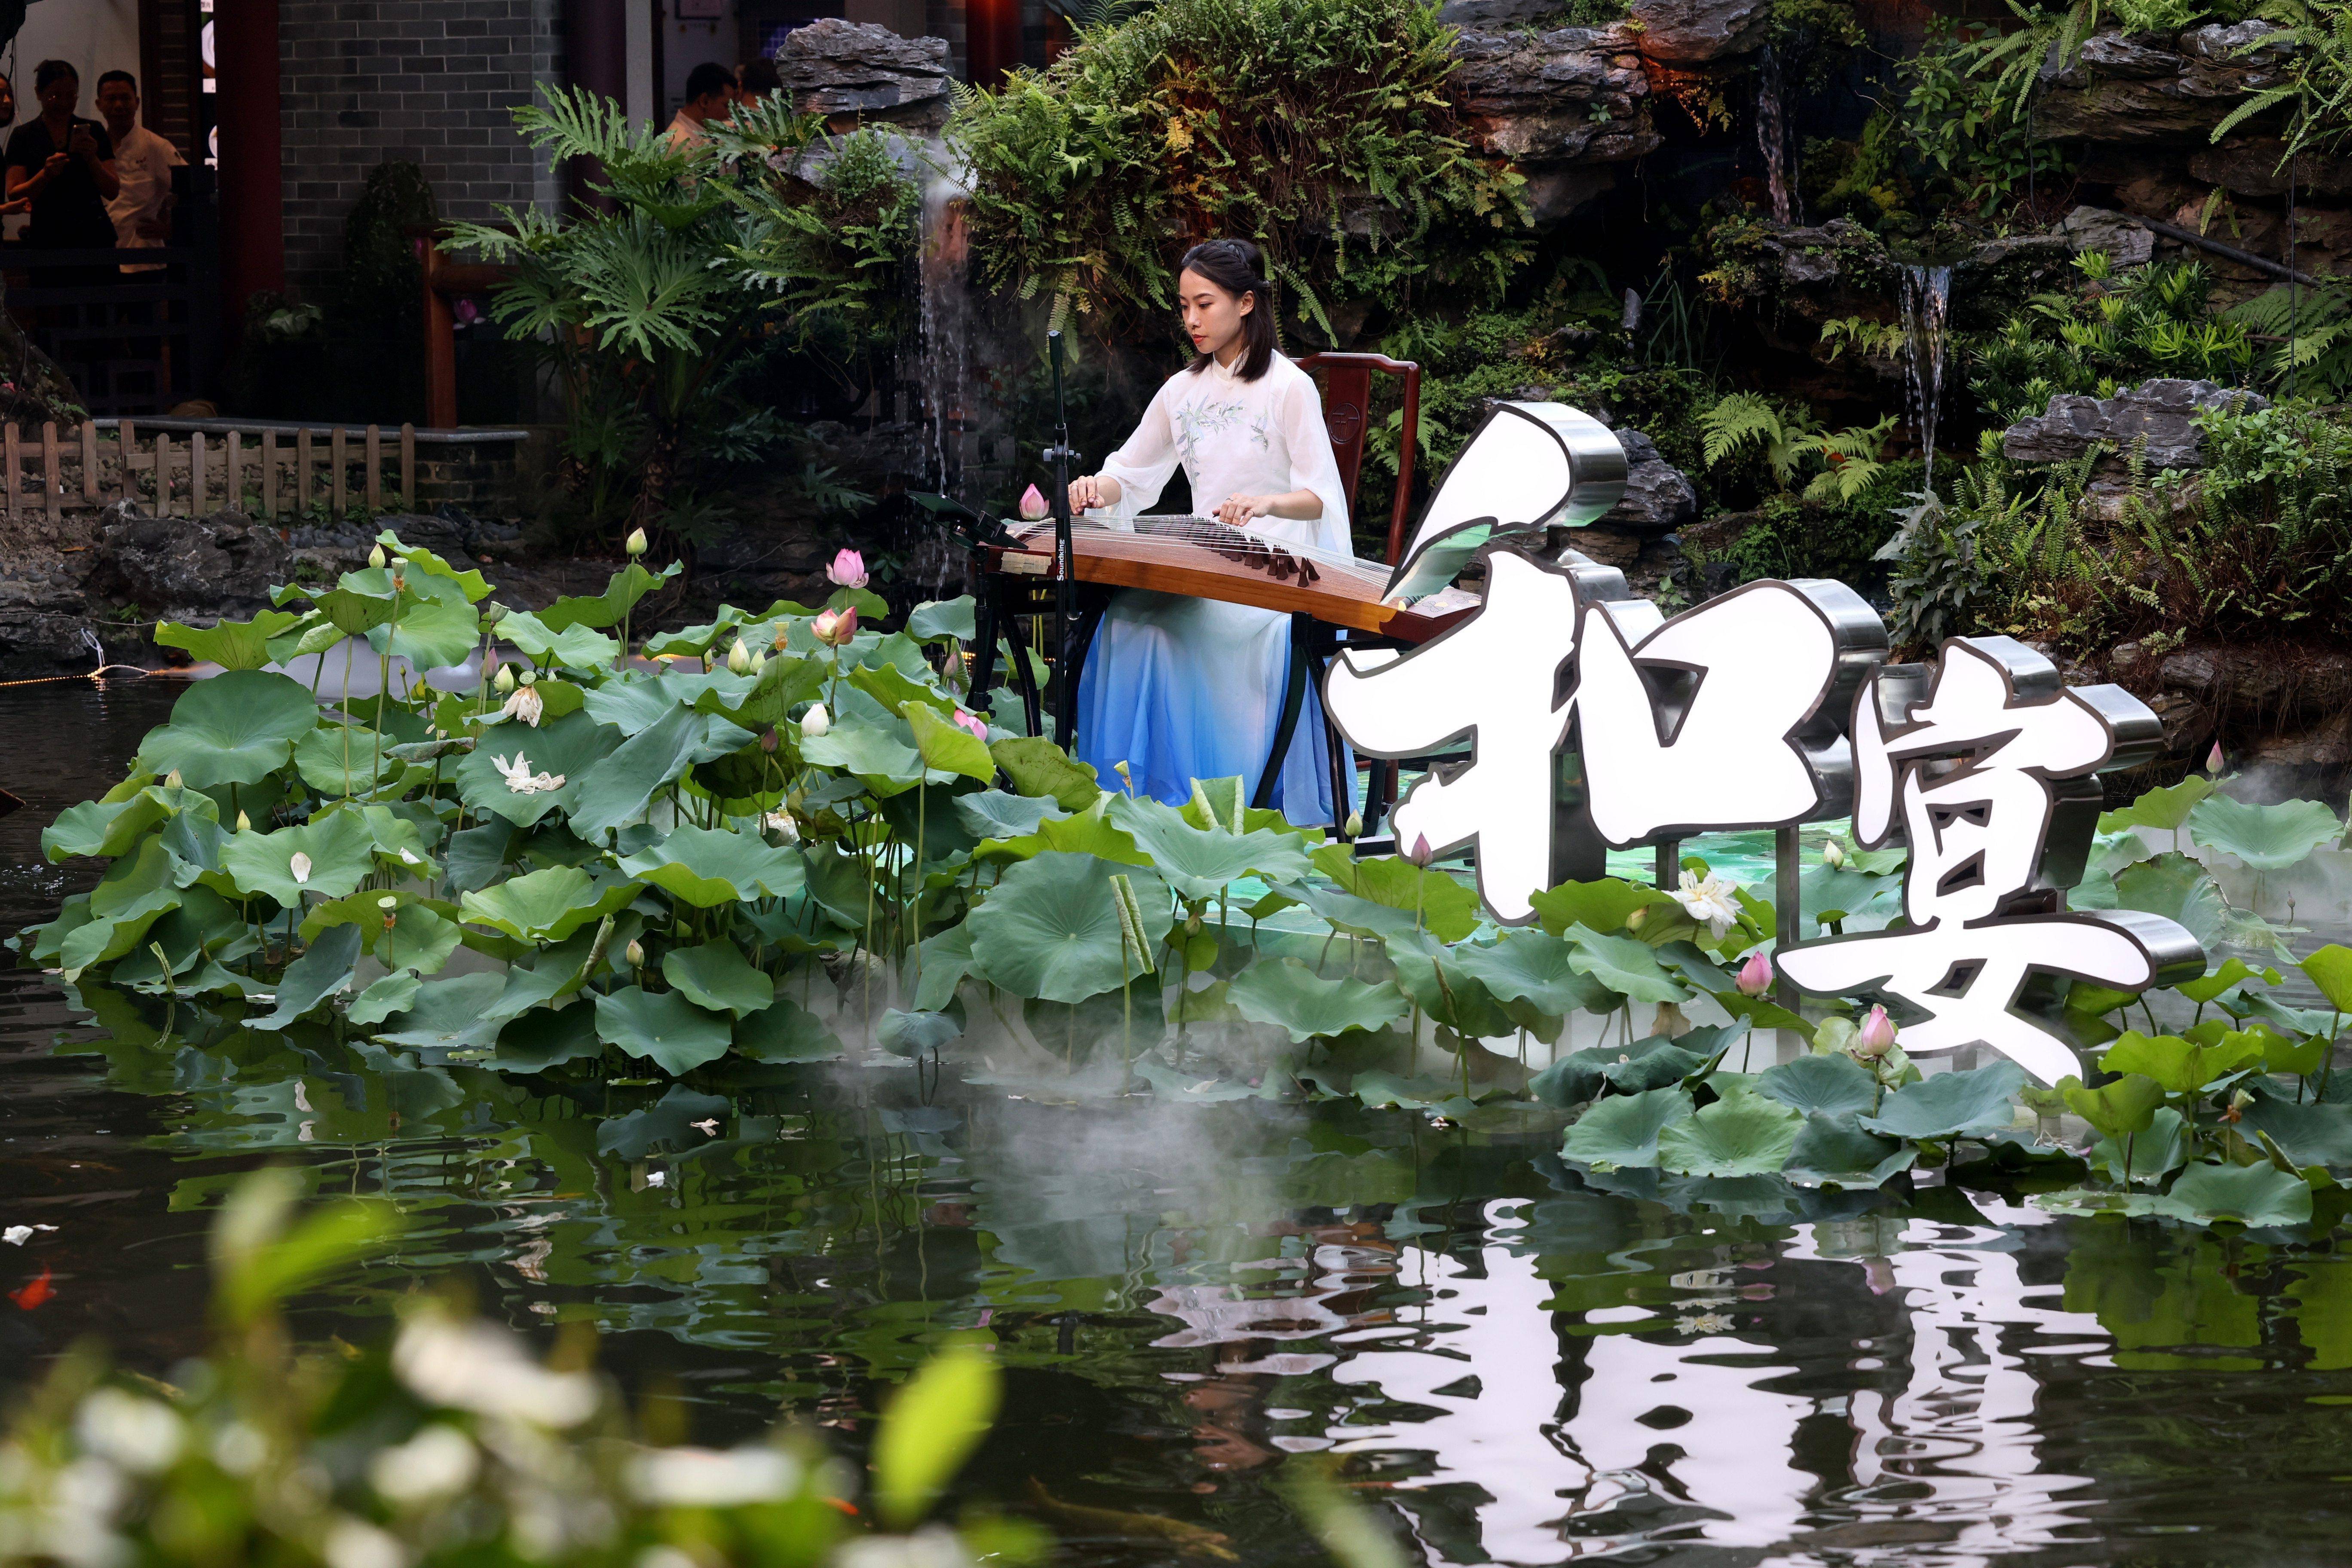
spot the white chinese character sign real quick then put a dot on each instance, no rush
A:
(1591, 716)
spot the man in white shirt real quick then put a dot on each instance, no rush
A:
(143, 162)
(709, 95)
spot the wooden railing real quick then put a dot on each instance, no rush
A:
(103, 460)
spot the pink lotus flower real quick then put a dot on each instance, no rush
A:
(1033, 505)
(1877, 1036)
(2213, 762)
(847, 571)
(1420, 854)
(1755, 976)
(971, 721)
(835, 628)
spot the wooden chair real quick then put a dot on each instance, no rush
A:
(1347, 384)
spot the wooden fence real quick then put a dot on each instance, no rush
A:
(100, 461)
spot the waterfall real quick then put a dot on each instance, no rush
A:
(944, 355)
(1927, 304)
(1771, 132)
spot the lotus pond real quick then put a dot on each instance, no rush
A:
(1238, 1156)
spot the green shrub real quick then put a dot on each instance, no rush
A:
(1324, 129)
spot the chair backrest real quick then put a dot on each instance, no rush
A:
(1346, 382)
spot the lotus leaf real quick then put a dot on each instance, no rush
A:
(662, 1027)
(358, 599)
(337, 848)
(2231, 971)
(1831, 1085)
(947, 959)
(1625, 964)
(2313, 1134)
(882, 761)
(451, 1012)
(1838, 893)
(1201, 864)
(1448, 910)
(564, 748)
(2124, 1109)
(108, 828)
(429, 633)
(547, 905)
(2182, 1067)
(892, 688)
(1623, 1131)
(1536, 967)
(394, 992)
(2151, 1154)
(943, 620)
(543, 1038)
(1952, 1104)
(2267, 837)
(232, 645)
(786, 1032)
(710, 867)
(576, 645)
(344, 759)
(1038, 767)
(1051, 929)
(916, 1034)
(1833, 1151)
(419, 939)
(1745, 1135)
(618, 789)
(668, 1121)
(1090, 832)
(629, 585)
(2330, 969)
(1288, 994)
(2250, 1194)
(994, 813)
(772, 695)
(322, 971)
(1602, 906)
(235, 728)
(718, 976)
(634, 702)
(947, 747)
(2166, 810)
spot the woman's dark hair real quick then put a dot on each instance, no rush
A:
(1235, 266)
(49, 71)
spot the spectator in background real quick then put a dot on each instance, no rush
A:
(757, 79)
(709, 95)
(143, 162)
(66, 166)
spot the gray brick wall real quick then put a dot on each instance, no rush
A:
(433, 81)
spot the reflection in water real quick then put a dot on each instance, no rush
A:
(1511, 1361)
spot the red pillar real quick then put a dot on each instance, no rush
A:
(252, 189)
(991, 39)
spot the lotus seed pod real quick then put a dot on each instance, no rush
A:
(636, 545)
(376, 557)
(635, 953)
(504, 682)
(387, 902)
(739, 658)
(530, 678)
(493, 613)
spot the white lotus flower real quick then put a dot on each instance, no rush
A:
(438, 1462)
(525, 705)
(355, 1543)
(473, 1367)
(780, 822)
(712, 1477)
(816, 722)
(1709, 903)
(520, 779)
(143, 1436)
(299, 866)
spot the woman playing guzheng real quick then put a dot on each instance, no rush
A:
(1182, 689)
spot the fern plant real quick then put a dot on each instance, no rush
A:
(1787, 439)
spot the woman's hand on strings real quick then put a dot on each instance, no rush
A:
(1238, 512)
(1093, 490)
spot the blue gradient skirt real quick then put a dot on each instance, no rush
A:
(1186, 688)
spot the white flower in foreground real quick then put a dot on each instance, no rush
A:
(17, 1235)
(816, 722)
(712, 1477)
(472, 1366)
(522, 780)
(355, 1543)
(143, 1436)
(1709, 903)
(526, 704)
(439, 1461)
(933, 1546)
(299, 866)
(780, 822)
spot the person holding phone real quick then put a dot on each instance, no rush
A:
(65, 165)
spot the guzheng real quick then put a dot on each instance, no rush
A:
(1200, 558)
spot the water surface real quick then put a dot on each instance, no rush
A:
(1511, 1364)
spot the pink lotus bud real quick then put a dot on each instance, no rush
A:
(1755, 976)
(1420, 854)
(847, 571)
(835, 628)
(1877, 1036)
(1033, 505)
(2213, 764)
(973, 722)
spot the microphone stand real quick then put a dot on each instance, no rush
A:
(1061, 455)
